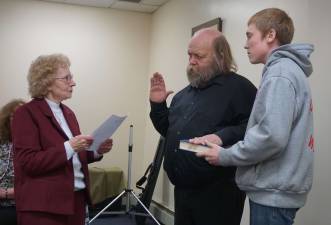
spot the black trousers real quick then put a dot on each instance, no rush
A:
(218, 203)
(8, 215)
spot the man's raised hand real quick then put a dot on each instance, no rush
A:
(158, 92)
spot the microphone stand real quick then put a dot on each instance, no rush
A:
(127, 192)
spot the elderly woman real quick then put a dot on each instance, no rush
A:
(50, 157)
(7, 203)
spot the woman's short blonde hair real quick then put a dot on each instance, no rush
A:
(42, 71)
(6, 113)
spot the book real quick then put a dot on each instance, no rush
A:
(187, 146)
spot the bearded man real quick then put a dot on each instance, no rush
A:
(215, 106)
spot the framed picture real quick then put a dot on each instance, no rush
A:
(215, 23)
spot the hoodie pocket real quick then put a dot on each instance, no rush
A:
(246, 177)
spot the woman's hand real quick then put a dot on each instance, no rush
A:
(105, 146)
(10, 193)
(7, 193)
(80, 142)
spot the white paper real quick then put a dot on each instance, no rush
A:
(105, 131)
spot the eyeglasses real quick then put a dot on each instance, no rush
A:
(68, 78)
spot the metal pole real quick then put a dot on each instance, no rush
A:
(129, 168)
(112, 202)
(142, 204)
(127, 191)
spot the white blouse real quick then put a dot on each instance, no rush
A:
(78, 174)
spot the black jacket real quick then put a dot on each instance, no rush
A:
(222, 108)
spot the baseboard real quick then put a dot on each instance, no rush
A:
(161, 213)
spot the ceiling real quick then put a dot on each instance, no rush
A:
(145, 6)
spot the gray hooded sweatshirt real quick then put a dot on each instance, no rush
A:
(275, 159)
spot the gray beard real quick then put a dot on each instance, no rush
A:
(199, 79)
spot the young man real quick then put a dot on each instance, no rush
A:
(217, 103)
(275, 159)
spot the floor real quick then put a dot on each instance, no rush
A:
(121, 220)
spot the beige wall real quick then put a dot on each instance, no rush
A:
(109, 51)
(171, 29)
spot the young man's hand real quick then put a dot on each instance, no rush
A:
(212, 154)
(212, 138)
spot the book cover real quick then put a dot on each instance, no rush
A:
(187, 146)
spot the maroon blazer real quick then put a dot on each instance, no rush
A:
(44, 178)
